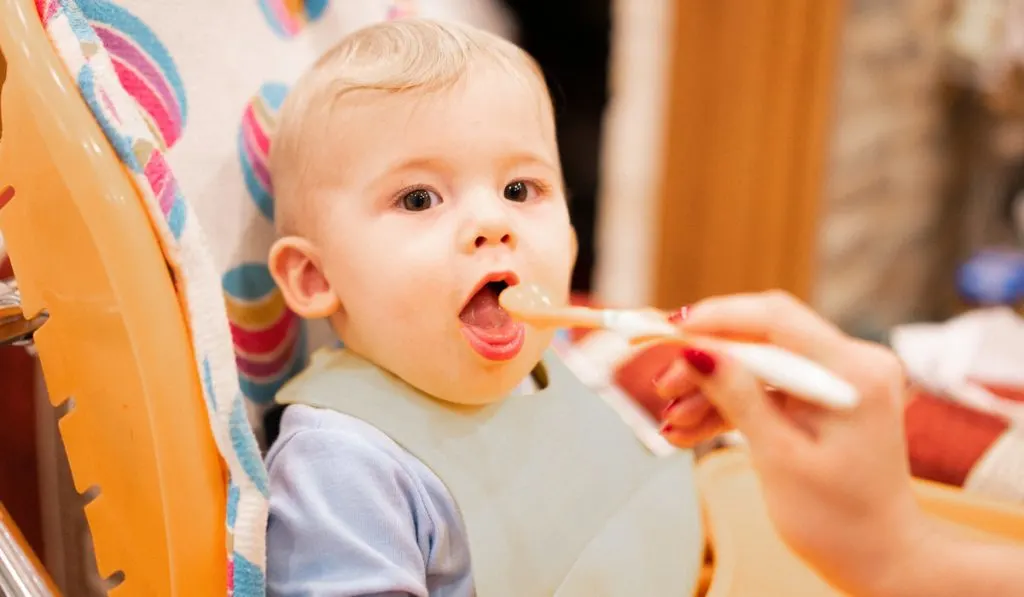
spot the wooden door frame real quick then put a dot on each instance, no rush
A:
(751, 93)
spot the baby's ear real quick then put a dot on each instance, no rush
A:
(295, 265)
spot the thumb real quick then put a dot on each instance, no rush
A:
(739, 397)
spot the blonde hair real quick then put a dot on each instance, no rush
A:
(396, 57)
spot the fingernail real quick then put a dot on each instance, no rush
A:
(6, 194)
(679, 316)
(701, 361)
(666, 428)
(668, 409)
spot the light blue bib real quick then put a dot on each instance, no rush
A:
(558, 495)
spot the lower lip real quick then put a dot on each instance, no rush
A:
(497, 351)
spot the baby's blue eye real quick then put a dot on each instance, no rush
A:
(420, 200)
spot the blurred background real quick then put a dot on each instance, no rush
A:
(857, 154)
(867, 156)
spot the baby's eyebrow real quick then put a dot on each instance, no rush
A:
(419, 163)
(529, 158)
(412, 164)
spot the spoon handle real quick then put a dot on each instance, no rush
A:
(794, 374)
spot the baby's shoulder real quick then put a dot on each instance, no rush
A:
(340, 447)
(328, 435)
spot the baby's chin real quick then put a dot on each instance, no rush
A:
(474, 382)
(453, 372)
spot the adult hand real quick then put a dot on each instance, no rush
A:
(836, 484)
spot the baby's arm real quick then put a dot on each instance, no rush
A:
(346, 519)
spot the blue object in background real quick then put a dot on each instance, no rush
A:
(993, 277)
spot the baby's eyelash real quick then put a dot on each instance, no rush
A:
(396, 199)
(541, 187)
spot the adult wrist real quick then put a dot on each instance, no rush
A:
(917, 551)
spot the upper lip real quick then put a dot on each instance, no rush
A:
(508, 277)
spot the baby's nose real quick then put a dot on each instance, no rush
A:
(487, 223)
(483, 240)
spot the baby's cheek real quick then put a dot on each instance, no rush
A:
(387, 301)
(552, 264)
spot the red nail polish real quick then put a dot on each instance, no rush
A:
(667, 428)
(6, 194)
(703, 362)
(679, 316)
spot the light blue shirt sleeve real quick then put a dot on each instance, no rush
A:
(354, 515)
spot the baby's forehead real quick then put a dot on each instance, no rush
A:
(492, 106)
(482, 82)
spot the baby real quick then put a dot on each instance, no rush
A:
(417, 175)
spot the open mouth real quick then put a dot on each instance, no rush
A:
(490, 330)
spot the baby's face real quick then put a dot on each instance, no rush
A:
(435, 202)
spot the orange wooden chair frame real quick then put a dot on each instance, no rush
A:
(115, 351)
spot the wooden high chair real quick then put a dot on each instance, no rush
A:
(118, 365)
(114, 351)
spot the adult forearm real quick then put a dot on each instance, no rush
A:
(950, 564)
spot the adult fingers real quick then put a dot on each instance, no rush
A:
(740, 398)
(774, 317)
(675, 381)
(690, 436)
(687, 411)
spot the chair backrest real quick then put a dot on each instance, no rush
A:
(115, 351)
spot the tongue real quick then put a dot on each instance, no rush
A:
(484, 313)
